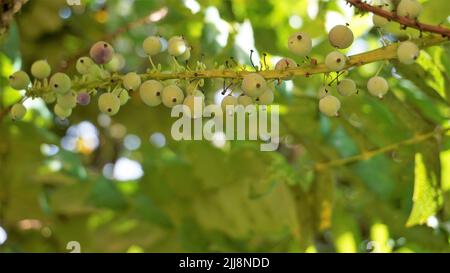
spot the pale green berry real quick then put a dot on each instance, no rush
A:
(380, 21)
(300, 43)
(408, 52)
(323, 92)
(195, 106)
(84, 65)
(131, 81)
(253, 84)
(62, 112)
(172, 95)
(285, 63)
(329, 105)
(152, 45)
(409, 8)
(335, 61)
(377, 86)
(68, 100)
(266, 98)
(151, 92)
(245, 100)
(18, 111)
(185, 56)
(177, 46)
(19, 80)
(122, 94)
(227, 103)
(109, 104)
(347, 87)
(60, 83)
(116, 64)
(340, 36)
(101, 52)
(41, 69)
(49, 97)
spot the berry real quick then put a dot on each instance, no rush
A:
(84, 65)
(131, 81)
(335, 61)
(380, 21)
(346, 87)
(329, 105)
(266, 98)
(152, 45)
(101, 52)
(61, 112)
(323, 92)
(172, 95)
(340, 36)
(83, 98)
(151, 92)
(40, 69)
(117, 63)
(49, 97)
(109, 104)
(300, 43)
(68, 100)
(253, 84)
(229, 101)
(407, 52)
(377, 86)
(245, 100)
(285, 63)
(177, 46)
(185, 56)
(19, 80)
(18, 111)
(122, 94)
(195, 104)
(60, 83)
(409, 8)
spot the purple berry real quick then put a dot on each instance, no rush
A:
(102, 52)
(83, 98)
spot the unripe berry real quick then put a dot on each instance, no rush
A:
(49, 97)
(61, 112)
(408, 52)
(122, 94)
(18, 111)
(60, 83)
(83, 98)
(131, 81)
(151, 92)
(152, 45)
(172, 95)
(101, 52)
(377, 86)
(177, 46)
(378, 20)
(340, 36)
(347, 87)
(323, 92)
(68, 100)
(335, 61)
(409, 8)
(245, 100)
(40, 69)
(109, 104)
(285, 63)
(117, 63)
(329, 105)
(19, 80)
(253, 84)
(229, 101)
(185, 56)
(300, 43)
(195, 104)
(84, 65)
(266, 98)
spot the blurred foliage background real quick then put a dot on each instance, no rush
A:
(122, 184)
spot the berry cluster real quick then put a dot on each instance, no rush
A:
(98, 74)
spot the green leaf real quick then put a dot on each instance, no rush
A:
(427, 197)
